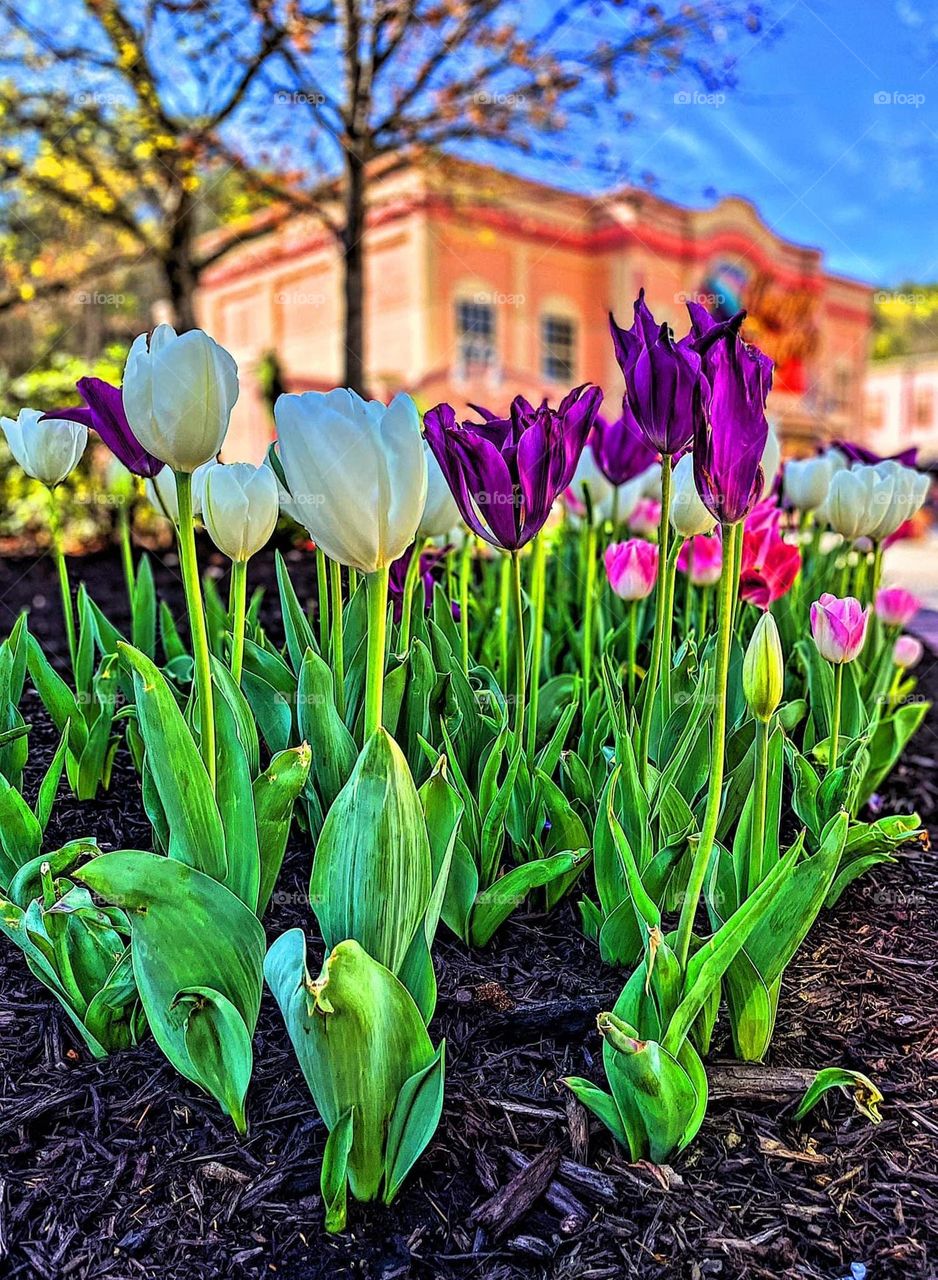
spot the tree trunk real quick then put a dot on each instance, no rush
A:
(353, 265)
(179, 268)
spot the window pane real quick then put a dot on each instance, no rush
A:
(558, 342)
(475, 333)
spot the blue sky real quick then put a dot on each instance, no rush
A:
(832, 132)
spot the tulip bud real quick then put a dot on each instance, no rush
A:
(689, 516)
(46, 448)
(240, 507)
(806, 481)
(903, 492)
(356, 471)
(896, 607)
(161, 492)
(632, 568)
(851, 501)
(178, 393)
(764, 670)
(589, 479)
(838, 627)
(701, 558)
(907, 652)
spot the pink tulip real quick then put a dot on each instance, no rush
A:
(701, 558)
(907, 652)
(838, 627)
(769, 564)
(896, 607)
(632, 568)
(646, 517)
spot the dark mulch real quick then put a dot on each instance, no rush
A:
(121, 1169)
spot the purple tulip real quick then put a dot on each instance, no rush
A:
(838, 627)
(431, 562)
(868, 457)
(506, 473)
(619, 447)
(664, 385)
(103, 410)
(730, 440)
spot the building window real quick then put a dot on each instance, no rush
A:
(923, 407)
(558, 346)
(475, 334)
(843, 389)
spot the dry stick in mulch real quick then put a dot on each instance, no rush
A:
(516, 1197)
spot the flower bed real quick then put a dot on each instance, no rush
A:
(123, 1168)
(663, 776)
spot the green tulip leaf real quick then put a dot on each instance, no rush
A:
(189, 933)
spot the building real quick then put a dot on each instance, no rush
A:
(480, 285)
(901, 405)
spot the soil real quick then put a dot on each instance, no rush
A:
(120, 1169)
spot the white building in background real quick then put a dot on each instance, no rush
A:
(900, 408)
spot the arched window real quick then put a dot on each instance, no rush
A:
(558, 347)
(475, 332)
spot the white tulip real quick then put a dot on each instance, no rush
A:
(46, 450)
(240, 507)
(161, 491)
(178, 393)
(806, 481)
(587, 478)
(651, 482)
(771, 459)
(689, 516)
(356, 471)
(440, 512)
(905, 492)
(852, 502)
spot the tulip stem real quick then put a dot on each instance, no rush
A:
(835, 720)
(666, 645)
(588, 609)
(465, 563)
(237, 608)
(127, 555)
(200, 653)
(322, 595)
(633, 648)
(539, 596)
(338, 636)
(376, 588)
(410, 586)
(877, 570)
(504, 597)
(520, 676)
(65, 589)
(728, 584)
(759, 793)
(650, 682)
